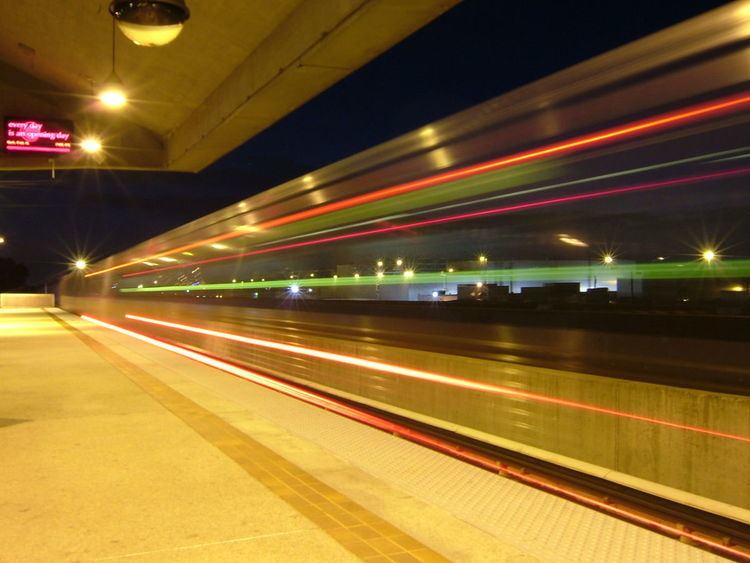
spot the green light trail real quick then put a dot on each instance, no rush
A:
(649, 271)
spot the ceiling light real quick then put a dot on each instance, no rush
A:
(91, 145)
(112, 92)
(112, 98)
(80, 264)
(150, 23)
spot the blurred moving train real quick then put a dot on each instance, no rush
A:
(468, 274)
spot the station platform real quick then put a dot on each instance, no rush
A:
(116, 450)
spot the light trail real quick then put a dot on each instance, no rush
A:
(486, 462)
(459, 217)
(694, 269)
(529, 191)
(432, 377)
(602, 137)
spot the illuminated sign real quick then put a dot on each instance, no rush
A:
(24, 135)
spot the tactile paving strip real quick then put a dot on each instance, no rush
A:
(537, 523)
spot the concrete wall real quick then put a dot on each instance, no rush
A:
(17, 300)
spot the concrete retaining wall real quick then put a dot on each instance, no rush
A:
(20, 300)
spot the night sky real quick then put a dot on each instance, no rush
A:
(478, 50)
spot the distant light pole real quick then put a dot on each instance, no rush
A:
(708, 255)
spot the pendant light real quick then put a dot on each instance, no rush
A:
(112, 91)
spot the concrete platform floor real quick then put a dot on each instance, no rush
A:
(114, 450)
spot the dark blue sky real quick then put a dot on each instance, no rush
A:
(477, 50)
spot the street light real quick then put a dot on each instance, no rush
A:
(2, 240)
(708, 255)
(608, 259)
(80, 264)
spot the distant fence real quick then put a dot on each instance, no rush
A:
(15, 300)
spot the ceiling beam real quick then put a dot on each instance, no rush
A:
(320, 43)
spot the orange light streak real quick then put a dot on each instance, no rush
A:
(503, 162)
(415, 436)
(433, 377)
(601, 137)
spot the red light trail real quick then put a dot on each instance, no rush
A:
(564, 147)
(459, 217)
(433, 377)
(426, 440)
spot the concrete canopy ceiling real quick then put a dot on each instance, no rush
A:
(238, 67)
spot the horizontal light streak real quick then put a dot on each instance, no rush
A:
(63, 150)
(431, 377)
(607, 135)
(415, 436)
(661, 270)
(463, 217)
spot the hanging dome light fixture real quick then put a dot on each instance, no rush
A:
(150, 23)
